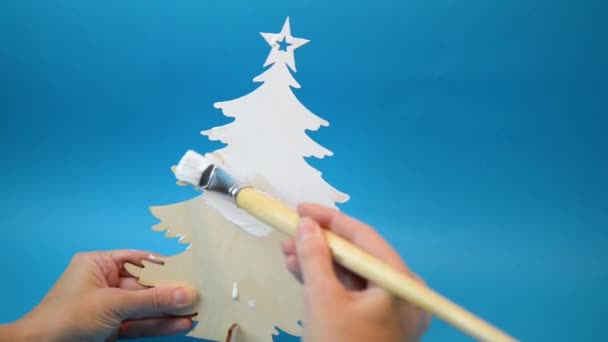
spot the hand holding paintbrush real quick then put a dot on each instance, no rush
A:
(196, 170)
(342, 306)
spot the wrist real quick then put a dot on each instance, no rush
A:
(11, 332)
(19, 331)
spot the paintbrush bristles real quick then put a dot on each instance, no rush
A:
(191, 167)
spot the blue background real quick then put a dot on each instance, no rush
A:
(472, 134)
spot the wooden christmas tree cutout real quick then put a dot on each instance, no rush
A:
(234, 260)
(221, 254)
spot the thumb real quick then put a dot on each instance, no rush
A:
(156, 300)
(315, 261)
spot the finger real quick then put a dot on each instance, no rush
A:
(288, 246)
(135, 257)
(156, 300)
(294, 267)
(154, 327)
(355, 231)
(350, 280)
(315, 263)
(131, 284)
(146, 315)
(291, 259)
(155, 316)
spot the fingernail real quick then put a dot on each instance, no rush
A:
(306, 229)
(155, 259)
(182, 296)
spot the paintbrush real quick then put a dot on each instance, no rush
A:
(196, 170)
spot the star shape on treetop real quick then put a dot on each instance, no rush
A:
(282, 46)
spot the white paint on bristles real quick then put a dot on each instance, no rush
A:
(191, 167)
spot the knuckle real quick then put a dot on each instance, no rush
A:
(334, 217)
(157, 299)
(310, 249)
(160, 298)
(79, 258)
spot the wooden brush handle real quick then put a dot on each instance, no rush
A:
(274, 213)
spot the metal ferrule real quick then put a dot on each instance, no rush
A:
(217, 180)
